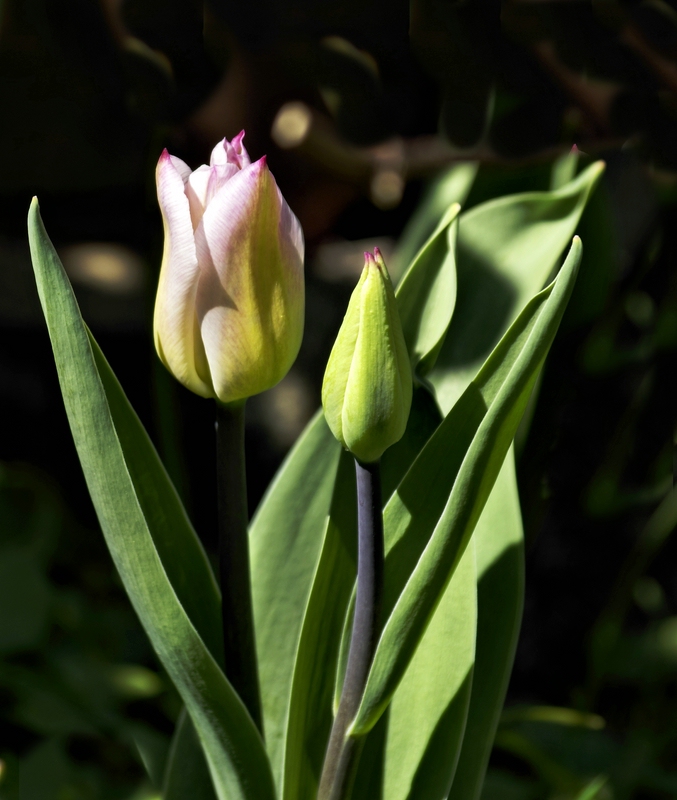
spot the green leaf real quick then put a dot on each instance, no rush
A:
(427, 715)
(286, 538)
(310, 709)
(238, 763)
(451, 186)
(426, 295)
(471, 444)
(507, 248)
(498, 533)
(180, 551)
(311, 704)
(499, 550)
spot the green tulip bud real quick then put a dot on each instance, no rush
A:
(367, 386)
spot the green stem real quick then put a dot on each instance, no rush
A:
(236, 597)
(343, 752)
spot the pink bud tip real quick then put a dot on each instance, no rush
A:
(574, 149)
(369, 258)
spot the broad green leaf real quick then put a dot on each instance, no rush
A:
(310, 710)
(499, 552)
(238, 762)
(451, 186)
(311, 705)
(507, 248)
(181, 553)
(286, 537)
(426, 295)
(427, 715)
(498, 532)
(471, 444)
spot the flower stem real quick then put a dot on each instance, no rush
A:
(343, 752)
(236, 597)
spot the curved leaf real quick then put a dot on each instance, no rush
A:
(237, 759)
(451, 186)
(180, 551)
(498, 533)
(428, 712)
(311, 705)
(426, 295)
(507, 249)
(286, 537)
(310, 708)
(499, 549)
(471, 443)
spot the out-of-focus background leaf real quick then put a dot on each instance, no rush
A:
(361, 107)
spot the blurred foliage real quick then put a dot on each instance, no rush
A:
(387, 97)
(85, 712)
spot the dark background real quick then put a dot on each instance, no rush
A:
(91, 92)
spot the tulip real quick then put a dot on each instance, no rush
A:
(230, 303)
(367, 388)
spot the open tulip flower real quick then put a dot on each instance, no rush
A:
(229, 309)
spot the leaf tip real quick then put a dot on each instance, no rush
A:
(34, 207)
(576, 248)
(599, 167)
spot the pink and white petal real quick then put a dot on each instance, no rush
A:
(250, 292)
(174, 319)
(220, 174)
(219, 154)
(196, 192)
(290, 232)
(228, 222)
(237, 153)
(181, 167)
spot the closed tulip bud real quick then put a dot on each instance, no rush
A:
(229, 310)
(367, 386)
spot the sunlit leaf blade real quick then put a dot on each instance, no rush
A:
(310, 709)
(452, 186)
(184, 560)
(238, 762)
(427, 715)
(507, 248)
(175, 540)
(286, 537)
(311, 705)
(426, 294)
(470, 445)
(498, 532)
(500, 589)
